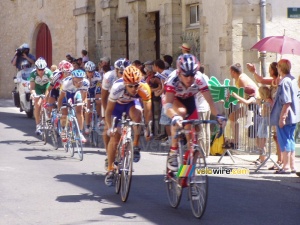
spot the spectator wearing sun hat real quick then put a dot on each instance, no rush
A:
(185, 48)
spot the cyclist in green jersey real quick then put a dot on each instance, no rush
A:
(39, 82)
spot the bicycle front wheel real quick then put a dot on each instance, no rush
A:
(76, 140)
(68, 145)
(44, 126)
(126, 174)
(174, 189)
(118, 164)
(198, 185)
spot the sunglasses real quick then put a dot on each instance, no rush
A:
(133, 85)
(188, 75)
(40, 69)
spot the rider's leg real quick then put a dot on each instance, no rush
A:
(37, 110)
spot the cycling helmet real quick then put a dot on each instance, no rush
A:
(90, 66)
(122, 63)
(40, 63)
(25, 64)
(60, 65)
(187, 64)
(67, 67)
(79, 73)
(132, 74)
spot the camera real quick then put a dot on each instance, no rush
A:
(19, 51)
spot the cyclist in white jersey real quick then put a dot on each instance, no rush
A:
(74, 87)
(181, 87)
(94, 91)
(108, 79)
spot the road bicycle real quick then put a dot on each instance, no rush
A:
(43, 117)
(72, 131)
(94, 129)
(191, 164)
(55, 128)
(124, 158)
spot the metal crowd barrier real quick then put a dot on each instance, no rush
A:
(244, 127)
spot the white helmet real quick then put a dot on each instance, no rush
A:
(90, 66)
(40, 63)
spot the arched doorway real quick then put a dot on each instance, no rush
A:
(44, 44)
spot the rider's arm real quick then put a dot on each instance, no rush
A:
(32, 87)
(104, 98)
(168, 107)
(108, 112)
(210, 101)
(147, 111)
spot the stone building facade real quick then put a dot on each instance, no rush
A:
(221, 32)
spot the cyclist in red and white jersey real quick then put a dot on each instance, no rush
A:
(181, 87)
(64, 70)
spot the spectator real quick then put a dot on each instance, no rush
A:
(273, 81)
(85, 57)
(22, 54)
(80, 63)
(185, 48)
(262, 133)
(241, 81)
(104, 61)
(168, 62)
(154, 83)
(75, 64)
(203, 114)
(164, 121)
(69, 58)
(53, 68)
(285, 114)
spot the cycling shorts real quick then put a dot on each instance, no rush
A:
(92, 92)
(76, 97)
(120, 108)
(54, 93)
(190, 105)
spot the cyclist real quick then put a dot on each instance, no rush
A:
(40, 79)
(125, 96)
(181, 87)
(108, 79)
(73, 87)
(94, 91)
(64, 69)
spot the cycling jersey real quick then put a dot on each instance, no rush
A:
(119, 94)
(108, 79)
(57, 80)
(97, 78)
(68, 86)
(41, 84)
(174, 85)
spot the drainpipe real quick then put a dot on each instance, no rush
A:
(263, 35)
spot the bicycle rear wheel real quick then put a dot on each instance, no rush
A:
(174, 189)
(76, 140)
(198, 185)
(126, 174)
(54, 137)
(118, 164)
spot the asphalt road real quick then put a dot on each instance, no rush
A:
(39, 185)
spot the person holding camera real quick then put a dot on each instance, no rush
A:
(21, 54)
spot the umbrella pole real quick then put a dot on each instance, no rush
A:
(263, 35)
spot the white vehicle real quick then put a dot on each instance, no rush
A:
(21, 96)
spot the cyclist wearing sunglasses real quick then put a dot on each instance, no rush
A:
(108, 79)
(94, 91)
(74, 87)
(40, 79)
(125, 96)
(181, 87)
